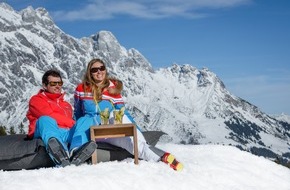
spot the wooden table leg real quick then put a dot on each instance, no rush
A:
(94, 155)
(136, 160)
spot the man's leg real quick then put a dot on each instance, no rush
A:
(81, 132)
(52, 136)
(81, 148)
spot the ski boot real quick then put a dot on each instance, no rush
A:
(171, 161)
(83, 153)
(57, 152)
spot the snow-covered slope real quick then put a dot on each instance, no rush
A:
(211, 167)
(282, 117)
(191, 105)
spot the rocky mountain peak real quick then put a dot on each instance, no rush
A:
(7, 7)
(40, 16)
(107, 43)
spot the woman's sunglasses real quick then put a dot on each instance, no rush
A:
(96, 69)
(51, 83)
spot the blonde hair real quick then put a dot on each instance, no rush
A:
(88, 81)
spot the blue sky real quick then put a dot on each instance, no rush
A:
(245, 42)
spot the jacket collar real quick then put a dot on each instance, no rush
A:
(50, 95)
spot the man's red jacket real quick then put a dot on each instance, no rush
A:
(53, 105)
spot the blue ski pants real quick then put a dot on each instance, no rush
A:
(46, 128)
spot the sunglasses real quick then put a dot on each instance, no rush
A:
(51, 83)
(96, 69)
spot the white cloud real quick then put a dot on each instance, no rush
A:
(100, 9)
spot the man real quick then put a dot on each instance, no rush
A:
(51, 119)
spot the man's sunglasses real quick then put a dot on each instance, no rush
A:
(51, 83)
(96, 69)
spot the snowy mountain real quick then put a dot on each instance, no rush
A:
(282, 117)
(191, 105)
(210, 167)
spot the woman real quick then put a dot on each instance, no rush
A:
(99, 92)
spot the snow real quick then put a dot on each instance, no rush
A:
(206, 167)
(282, 117)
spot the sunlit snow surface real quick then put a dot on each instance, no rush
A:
(206, 167)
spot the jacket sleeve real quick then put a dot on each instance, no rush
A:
(39, 107)
(78, 111)
(126, 113)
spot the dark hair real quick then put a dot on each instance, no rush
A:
(48, 73)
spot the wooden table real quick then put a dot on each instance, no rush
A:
(114, 131)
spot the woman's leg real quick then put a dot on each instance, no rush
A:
(144, 152)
